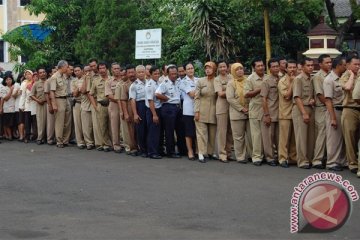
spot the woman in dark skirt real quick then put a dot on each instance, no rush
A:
(8, 105)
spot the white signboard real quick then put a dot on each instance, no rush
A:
(148, 44)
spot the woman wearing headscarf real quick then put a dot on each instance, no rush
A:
(238, 110)
(205, 113)
(26, 104)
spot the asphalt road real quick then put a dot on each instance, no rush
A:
(51, 193)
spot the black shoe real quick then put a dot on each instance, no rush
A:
(60, 145)
(81, 147)
(192, 158)
(202, 160)
(155, 156)
(144, 155)
(318, 166)
(272, 163)
(284, 164)
(39, 142)
(174, 155)
(134, 153)
(107, 149)
(90, 147)
(243, 161)
(118, 150)
(26, 141)
(100, 148)
(306, 166)
(257, 163)
(335, 168)
(20, 139)
(354, 170)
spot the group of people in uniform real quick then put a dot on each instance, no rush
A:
(288, 116)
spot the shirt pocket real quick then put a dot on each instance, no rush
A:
(306, 91)
(60, 82)
(338, 92)
(273, 93)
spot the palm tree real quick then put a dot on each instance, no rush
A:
(208, 24)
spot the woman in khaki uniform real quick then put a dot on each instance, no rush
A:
(238, 111)
(205, 117)
(224, 135)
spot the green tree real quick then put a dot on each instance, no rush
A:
(107, 31)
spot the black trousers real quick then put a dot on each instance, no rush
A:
(30, 126)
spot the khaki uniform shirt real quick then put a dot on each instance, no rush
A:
(318, 82)
(38, 90)
(220, 83)
(98, 89)
(285, 105)
(235, 108)
(356, 91)
(255, 106)
(269, 89)
(205, 100)
(76, 84)
(303, 88)
(333, 89)
(110, 86)
(348, 100)
(58, 84)
(122, 93)
(47, 86)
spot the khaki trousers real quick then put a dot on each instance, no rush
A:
(287, 144)
(62, 121)
(240, 128)
(320, 135)
(304, 136)
(125, 134)
(50, 125)
(95, 122)
(270, 136)
(115, 127)
(41, 121)
(350, 120)
(224, 136)
(334, 142)
(87, 127)
(102, 116)
(205, 134)
(78, 125)
(257, 146)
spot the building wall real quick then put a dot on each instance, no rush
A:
(12, 15)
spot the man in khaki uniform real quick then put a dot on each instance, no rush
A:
(302, 114)
(334, 97)
(122, 95)
(50, 116)
(320, 110)
(224, 133)
(270, 99)
(100, 103)
(287, 147)
(85, 89)
(38, 95)
(75, 89)
(114, 110)
(86, 118)
(351, 112)
(60, 104)
(252, 91)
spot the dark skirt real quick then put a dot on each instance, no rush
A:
(189, 125)
(19, 117)
(8, 119)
